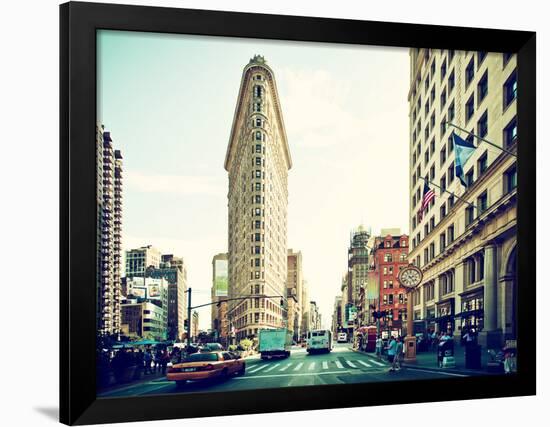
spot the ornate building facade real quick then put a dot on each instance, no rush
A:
(465, 243)
(257, 161)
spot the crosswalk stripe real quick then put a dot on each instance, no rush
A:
(351, 364)
(311, 366)
(364, 363)
(338, 364)
(272, 367)
(284, 368)
(257, 369)
(325, 365)
(298, 366)
(377, 363)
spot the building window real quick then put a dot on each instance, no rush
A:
(451, 83)
(432, 250)
(432, 172)
(451, 173)
(443, 98)
(469, 215)
(511, 133)
(258, 136)
(442, 128)
(482, 88)
(482, 202)
(470, 108)
(256, 249)
(510, 179)
(387, 257)
(432, 223)
(442, 211)
(451, 112)
(482, 125)
(469, 178)
(258, 122)
(442, 242)
(258, 91)
(469, 76)
(451, 201)
(481, 57)
(510, 89)
(443, 183)
(482, 164)
(258, 173)
(451, 233)
(443, 69)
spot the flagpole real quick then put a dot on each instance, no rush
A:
(447, 191)
(482, 139)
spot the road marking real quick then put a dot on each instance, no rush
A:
(298, 366)
(377, 363)
(311, 366)
(350, 363)
(437, 372)
(256, 369)
(364, 363)
(284, 368)
(338, 364)
(272, 367)
(304, 374)
(325, 365)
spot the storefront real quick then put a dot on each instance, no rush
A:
(471, 314)
(431, 318)
(445, 315)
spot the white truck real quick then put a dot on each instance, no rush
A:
(274, 343)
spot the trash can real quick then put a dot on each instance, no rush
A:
(445, 354)
(472, 356)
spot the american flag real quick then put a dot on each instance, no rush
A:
(427, 196)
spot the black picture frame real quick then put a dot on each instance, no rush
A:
(78, 25)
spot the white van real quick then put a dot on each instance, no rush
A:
(342, 337)
(319, 341)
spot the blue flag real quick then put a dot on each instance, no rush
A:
(463, 151)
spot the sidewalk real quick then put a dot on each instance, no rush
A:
(428, 361)
(144, 379)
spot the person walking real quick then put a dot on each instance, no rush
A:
(378, 347)
(392, 348)
(158, 357)
(148, 358)
(164, 359)
(396, 365)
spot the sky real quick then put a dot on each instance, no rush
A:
(169, 100)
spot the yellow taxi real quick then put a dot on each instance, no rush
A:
(206, 365)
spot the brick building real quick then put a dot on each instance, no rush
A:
(390, 256)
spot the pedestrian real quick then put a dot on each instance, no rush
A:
(392, 347)
(164, 359)
(378, 347)
(158, 357)
(148, 358)
(396, 365)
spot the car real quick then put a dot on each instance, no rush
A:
(212, 346)
(206, 365)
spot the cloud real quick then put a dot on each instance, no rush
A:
(314, 103)
(183, 185)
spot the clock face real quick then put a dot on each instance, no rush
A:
(410, 276)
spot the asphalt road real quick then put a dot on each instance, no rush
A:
(340, 366)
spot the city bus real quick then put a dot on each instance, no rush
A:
(319, 341)
(342, 337)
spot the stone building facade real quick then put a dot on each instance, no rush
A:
(465, 243)
(257, 161)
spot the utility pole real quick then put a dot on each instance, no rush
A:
(188, 318)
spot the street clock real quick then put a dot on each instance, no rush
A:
(410, 277)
